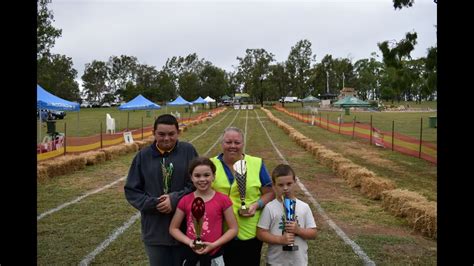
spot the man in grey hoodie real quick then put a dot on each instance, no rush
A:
(157, 179)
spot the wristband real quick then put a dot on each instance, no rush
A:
(260, 203)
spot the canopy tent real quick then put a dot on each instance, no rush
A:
(138, 103)
(225, 98)
(209, 100)
(199, 100)
(179, 101)
(48, 101)
(310, 99)
(351, 101)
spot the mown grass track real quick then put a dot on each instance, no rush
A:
(66, 236)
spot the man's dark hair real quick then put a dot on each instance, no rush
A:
(166, 119)
(282, 170)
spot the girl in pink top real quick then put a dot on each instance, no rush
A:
(218, 207)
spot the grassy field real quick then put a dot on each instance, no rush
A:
(69, 235)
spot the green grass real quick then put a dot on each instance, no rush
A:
(68, 235)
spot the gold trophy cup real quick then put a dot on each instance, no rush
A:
(197, 210)
(240, 169)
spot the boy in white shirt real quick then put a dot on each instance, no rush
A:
(274, 229)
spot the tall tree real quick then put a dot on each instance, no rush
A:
(253, 70)
(397, 77)
(122, 70)
(46, 33)
(298, 67)
(55, 73)
(95, 81)
(279, 80)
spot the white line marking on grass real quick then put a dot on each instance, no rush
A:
(91, 256)
(356, 248)
(78, 199)
(217, 122)
(220, 137)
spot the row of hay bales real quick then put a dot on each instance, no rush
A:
(72, 162)
(420, 213)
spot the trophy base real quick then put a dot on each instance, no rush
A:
(290, 248)
(198, 244)
(243, 211)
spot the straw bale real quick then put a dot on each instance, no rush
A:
(345, 168)
(141, 144)
(42, 173)
(395, 201)
(338, 162)
(422, 216)
(110, 153)
(64, 165)
(326, 157)
(93, 157)
(373, 187)
(355, 176)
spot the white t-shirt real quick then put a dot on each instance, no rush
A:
(272, 219)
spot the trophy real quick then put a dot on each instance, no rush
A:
(289, 206)
(241, 177)
(197, 210)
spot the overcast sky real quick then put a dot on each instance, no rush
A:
(219, 31)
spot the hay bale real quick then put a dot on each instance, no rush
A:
(422, 216)
(374, 186)
(64, 165)
(343, 169)
(42, 173)
(395, 201)
(338, 162)
(355, 176)
(93, 157)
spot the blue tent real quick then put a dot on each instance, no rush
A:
(199, 100)
(179, 101)
(139, 103)
(46, 100)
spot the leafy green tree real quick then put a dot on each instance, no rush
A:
(213, 82)
(431, 73)
(56, 74)
(368, 77)
(279, 81)
(405, 3)
(298, 67)
(189, 85)
(252, 70)
(166, 86)
(343, 73)
(397, 77)
(122, 70)
(46, 33)
(95, 81)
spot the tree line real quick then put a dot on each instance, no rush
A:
(394, 76)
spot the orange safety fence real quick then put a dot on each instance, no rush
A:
(401, 143)
(67, 144)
